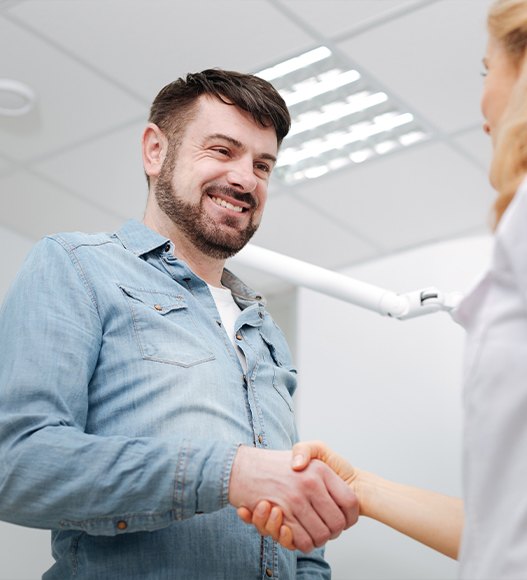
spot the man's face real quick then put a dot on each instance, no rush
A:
(213, 187)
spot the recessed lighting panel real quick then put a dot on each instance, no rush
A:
(339, 118)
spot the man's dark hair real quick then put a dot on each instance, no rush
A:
(173, 107)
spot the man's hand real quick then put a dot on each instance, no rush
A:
(267, 519)
(316, 504)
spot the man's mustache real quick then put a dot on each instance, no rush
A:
(244, 197)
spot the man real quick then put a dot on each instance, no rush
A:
(144, 390)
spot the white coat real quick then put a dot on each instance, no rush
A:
(494, 544)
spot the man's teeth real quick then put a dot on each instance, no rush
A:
(226, 204)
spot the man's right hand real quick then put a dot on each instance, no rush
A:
(316, 504)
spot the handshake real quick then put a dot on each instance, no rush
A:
(301, 498)
(305, 498)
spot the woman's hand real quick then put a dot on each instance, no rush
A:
(305, 451)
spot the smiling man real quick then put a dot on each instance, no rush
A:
(145, 391)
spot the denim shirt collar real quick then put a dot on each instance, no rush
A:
(140, 240)
(241, 293)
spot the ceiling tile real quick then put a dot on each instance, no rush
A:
(424, 194)
(108, 171)
(34, 208)
(145, 45)
(4, 165)
(431, 59)
(334, 17)
(18, 246)
(72, 102)
(5, 4)
(290, 227)
(477, 145)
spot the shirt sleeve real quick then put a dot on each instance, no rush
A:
(53, 473)
(312, 566)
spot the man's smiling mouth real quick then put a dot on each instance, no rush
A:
(226, 204)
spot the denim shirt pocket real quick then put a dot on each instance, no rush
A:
(284, 373)
(165, 329)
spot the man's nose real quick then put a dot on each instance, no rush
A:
(241, 176)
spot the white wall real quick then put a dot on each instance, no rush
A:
(386, 394)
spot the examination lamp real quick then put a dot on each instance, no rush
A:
(385, 302)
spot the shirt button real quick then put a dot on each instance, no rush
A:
(158, 307)
(268, 572)
(167, 248)
(122, 525)
(238, 336)
(260, 439)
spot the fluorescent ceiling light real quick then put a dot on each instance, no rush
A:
(362, 155)
(412, 137)
(336, 110)
(314, 87)
(296, 63)
(339, 118)
(337, 140)
(386, 146)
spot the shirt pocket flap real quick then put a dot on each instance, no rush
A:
(159, 301)
(278, 347)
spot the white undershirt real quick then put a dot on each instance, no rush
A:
(229, 312)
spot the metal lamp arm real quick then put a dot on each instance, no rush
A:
(385, 302)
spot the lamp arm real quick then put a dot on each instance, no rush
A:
(385, 302)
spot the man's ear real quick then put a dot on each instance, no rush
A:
(155, 148)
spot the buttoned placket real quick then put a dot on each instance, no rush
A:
(249, 321)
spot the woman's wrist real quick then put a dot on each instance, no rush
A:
(365, 486)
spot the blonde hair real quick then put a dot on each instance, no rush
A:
(507, 24)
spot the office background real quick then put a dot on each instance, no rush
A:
(385, 393)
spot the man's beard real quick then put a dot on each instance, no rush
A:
(198, 227)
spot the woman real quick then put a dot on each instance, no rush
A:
(494, 530)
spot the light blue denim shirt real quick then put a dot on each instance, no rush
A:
(122, 404)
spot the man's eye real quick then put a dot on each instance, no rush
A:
(222, 151)
(263, 167)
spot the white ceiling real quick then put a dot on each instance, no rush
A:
(74, 162)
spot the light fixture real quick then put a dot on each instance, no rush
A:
(16, 98)
(338, 117)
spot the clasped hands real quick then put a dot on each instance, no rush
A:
(309, 498)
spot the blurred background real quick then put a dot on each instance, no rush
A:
(384, 178)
